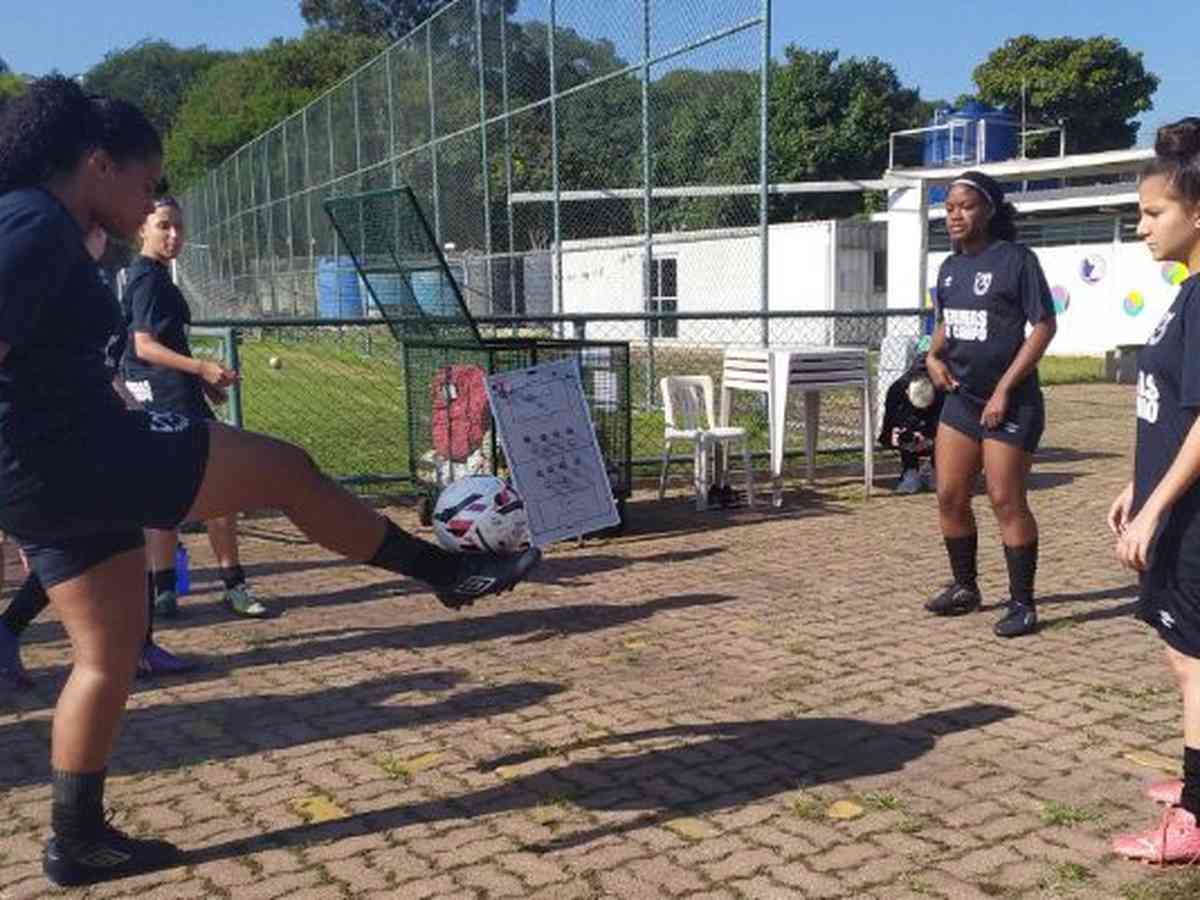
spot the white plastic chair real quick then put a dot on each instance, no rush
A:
(688, 404)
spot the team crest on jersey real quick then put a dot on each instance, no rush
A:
(1160, 329)
(983, 282)
(947, 281)
(167, 422)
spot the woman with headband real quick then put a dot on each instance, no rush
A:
(987, 292)
(81, 476)
(1156, 519)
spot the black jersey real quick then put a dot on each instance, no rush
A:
(985, 302)
(1168, 399)
(153, 304)
(57, 318)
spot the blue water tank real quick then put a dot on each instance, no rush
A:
(429, 289)
(338, 294)
(960, 144)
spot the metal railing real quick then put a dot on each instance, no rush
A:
(336, 386)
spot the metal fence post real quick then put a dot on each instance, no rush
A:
(559, 305)
(433, 147)
(647, 207)
(483, 159)
(235, 389)
(764, 171)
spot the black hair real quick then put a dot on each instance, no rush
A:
(1177, 157)
(45, 131)
(1003, 225)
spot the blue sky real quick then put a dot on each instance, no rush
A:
(933, 46)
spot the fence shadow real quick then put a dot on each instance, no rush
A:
(520, 625)
(186, 734)
(703, 768)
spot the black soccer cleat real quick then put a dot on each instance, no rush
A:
(955, 600)
(111, 854)
(480, 574)
(1020, 619)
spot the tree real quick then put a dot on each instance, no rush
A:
(831, 119)
(392, 19)
(10, 86)
(1094, 86)
(242, 97)
(153, 75)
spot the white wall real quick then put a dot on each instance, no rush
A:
(719, 273)
(1096, 318)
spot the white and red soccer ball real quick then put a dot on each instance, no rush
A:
(481, 514)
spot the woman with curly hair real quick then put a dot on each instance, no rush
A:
(81, 476)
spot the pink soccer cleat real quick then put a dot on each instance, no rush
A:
(1175, 840)
(1166, 792)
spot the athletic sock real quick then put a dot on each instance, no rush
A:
(408, 555)
(26, 605)
(77, 807)
(232, 576)
(962, 551)
(164, 580)
(1190, 799)
(1022, 567)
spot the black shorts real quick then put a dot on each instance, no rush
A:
(1173, 610)
(1022, 427)
(94, 494)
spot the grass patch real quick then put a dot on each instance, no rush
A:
(1055, 813)
(1183, 885)
(882, 800)
(912, 825)
(808, 808)
(1065, 878)
(1071, 369)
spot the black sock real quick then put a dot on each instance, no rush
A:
(151, 593)
(1022, 567)
(1190, 800)
(233, 576)
(26, 605)
(408, 555)
(77, 807)
(164, 580)
(961, 551)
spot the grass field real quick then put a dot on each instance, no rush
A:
(340, 395)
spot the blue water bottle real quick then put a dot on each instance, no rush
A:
(183, 579)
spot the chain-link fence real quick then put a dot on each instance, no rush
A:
(337, 387)
(527, 130)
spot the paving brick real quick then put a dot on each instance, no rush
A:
(689, 698)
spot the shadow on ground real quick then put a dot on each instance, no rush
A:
(185, 734)
(703, 768)
(523, 625)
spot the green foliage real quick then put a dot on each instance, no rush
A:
(240, 98)
(1095, 86)
(831, 119)
(379, 18)
(153, 75)
(10, 86)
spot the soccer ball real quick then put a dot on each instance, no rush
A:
(481, 513)
(921, 393)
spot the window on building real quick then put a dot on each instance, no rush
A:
(664, 296)
(879, 271)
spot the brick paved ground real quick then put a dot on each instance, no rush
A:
(672, 714)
